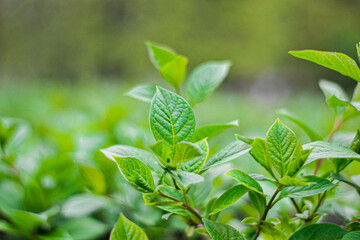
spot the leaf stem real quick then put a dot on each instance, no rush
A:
(321, 199)
(270, 204)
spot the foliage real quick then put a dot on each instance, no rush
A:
(177, 181)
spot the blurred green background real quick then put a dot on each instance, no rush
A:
(65, 66)
(91, 39)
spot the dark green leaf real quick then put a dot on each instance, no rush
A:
(220, 231)
(228, 198)
(258, 200)
(352, 236)
(136, 173)
(268, 232)
(245, 180)
(321, 231)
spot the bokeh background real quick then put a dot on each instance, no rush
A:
(66, 64)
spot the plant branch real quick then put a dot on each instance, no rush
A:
(311, 216)
(270, 204)
(295, 205)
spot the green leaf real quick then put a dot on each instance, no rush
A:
(290, 181)
(320, 231)
(185, 151)
(144, 93)
(298, 160)
(156, 199)
(320, 186)
(258, 200)
(171, 117)
(268, 232)
(329, 150)
(136, 173)
(160, 55)
(204, 79)
(129, 151)
(245, 180)
(195, 165)
(127, 230)
(258, 152)
(338, 99)
(340, 164)
(250, 221)
(163, 151)
(220, 231)
(312, 134)
(336, 61)
(82, 205)
(244, 139)
(352, 235)
(84, 228)
(174, 72)
(178, 195)
(280, 143)
(188, 178)
(94, 179)
(345, 180)
(230, 152)
(210, 131)
(228, 198)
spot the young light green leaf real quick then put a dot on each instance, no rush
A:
(268, 232)
(160, 55)
(210, 131)
(174, 72)
(204, 79)
(329, 150)
(163, 151)
(188, 178)
(171, 117)
(352, 235)
(127, 230)
(336, 61)
(185, 151)
(320, 231)
(136, 173)
(228, 198)
(258, 200)
(195, 165)
(312, 134)
(129, 151)
(290, 181)
(245, 180)
(220, 231)
(230, 152)
(280, 143)
(144, 93)
(320, 185)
